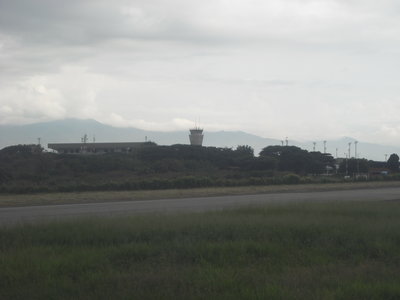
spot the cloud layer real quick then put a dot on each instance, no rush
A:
(303, 69)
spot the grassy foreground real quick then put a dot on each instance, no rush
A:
(297, 251)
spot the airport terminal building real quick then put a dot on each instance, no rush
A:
(93, 148)
(195, 137)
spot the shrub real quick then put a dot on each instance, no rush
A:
(291, 179)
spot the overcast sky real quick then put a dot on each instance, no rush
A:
(304, 69)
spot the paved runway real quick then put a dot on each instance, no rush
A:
(16, 215)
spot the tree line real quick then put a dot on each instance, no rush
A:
(27, 168)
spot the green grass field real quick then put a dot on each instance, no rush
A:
(297, 251)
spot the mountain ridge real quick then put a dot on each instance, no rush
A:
(71, 130)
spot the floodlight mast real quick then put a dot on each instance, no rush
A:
(349, 150)
(355, 149)
(85, 138)
(358, 163)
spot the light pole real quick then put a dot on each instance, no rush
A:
(349, 149)
(355, 155)
(355, 149)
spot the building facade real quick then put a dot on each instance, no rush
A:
(93, 148)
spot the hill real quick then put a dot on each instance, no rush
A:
(71, 130)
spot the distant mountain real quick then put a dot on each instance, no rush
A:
(71, 130)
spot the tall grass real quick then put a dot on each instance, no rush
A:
(296, 251)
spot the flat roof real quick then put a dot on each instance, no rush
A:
(94, 145)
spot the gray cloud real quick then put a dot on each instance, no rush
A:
(299, 68)
(83, 22)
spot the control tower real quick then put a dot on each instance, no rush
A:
(196, 136)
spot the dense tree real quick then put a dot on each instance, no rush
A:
(319, 162)
(220, 157)
(295, 159)
(264, 163)
(245, 151)
(275, 151)
(25, 168)
(354, 166)
(20, 149)
(377, 164)
(393, 163)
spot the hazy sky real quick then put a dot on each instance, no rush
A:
(304, 69)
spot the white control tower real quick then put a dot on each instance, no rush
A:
(196, 136)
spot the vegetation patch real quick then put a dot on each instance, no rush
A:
(299, 251)
(26, 169)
